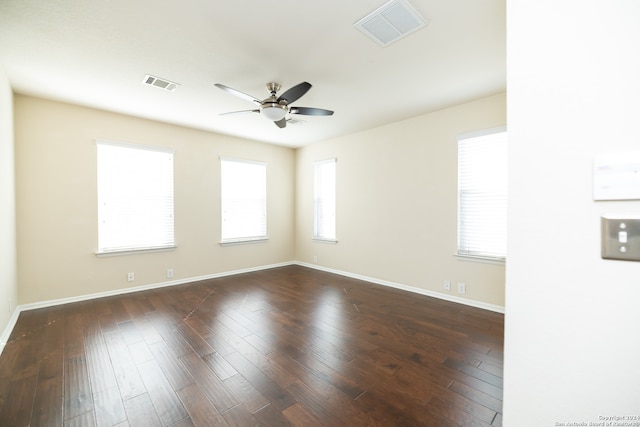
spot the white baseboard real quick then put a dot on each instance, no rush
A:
(4, 338)
(426, 292)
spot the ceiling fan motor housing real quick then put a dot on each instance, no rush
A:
(273, 88)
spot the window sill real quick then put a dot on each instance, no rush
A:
(243, 241)
(481, 259)
(104, 254)
(327, 241)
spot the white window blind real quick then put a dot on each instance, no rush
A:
(135, 197)
(482, 194)
(325, 200)
(244, 200)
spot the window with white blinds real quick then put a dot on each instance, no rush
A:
(135, 197)
(244, 200)
(482, 194)
(324, 200)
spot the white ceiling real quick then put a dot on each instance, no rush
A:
(97, 53)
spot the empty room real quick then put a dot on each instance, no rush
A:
(382, 213)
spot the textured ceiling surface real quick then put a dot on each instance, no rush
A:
(97, 53)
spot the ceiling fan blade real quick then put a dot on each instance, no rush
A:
(239, 112)
(307, 111)
(295, 92)
(239, 94)
(281, 123)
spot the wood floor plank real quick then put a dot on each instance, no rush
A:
(100, 368)
(170, 336)
(283, 346)
(270, 416)
(386, 411)
(140, 352)
(129, 332)
(109, 408)
(107, 322)
(251, 398)
(87, 419)
(140, 412)
(73, 335)
(187, 422)
(219, 366)
(331, 408)
(239, 416)
(77, 391)
(478, 375)
(212, 386)
(173, 369)
(299, 416)
(146, 329)
(124, 368)
(277, 395)
(48, 401)
(197, 343)
(18, 404)
(477, 396)
(164, 399)
(322, 371)
(451, 412)
(202, 412)
(211, 336)
(91, 328)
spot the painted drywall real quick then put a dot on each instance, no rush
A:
(57, 202)
(397, 202)
(572, 318)
(8, 256)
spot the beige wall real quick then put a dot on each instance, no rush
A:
(8, 269)
(396, 203)
(57, 202)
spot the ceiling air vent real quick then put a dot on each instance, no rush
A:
(391, 22)
(160, 83)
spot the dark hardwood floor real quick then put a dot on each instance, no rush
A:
(286, 346)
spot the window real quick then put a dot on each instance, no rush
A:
(482, 194)
(244, 200)
(324, 196)
(135, 197)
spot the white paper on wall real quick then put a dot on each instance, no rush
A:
(616, 176)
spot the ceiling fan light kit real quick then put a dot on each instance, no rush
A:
(273, 111)
(276, 108)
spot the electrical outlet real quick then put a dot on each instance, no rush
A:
(315, 259)
(169, 273)
(462, 289)
(447, 285)
(131, 277)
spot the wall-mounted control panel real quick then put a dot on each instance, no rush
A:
(621, 236)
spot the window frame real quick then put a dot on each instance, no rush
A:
(105, 249)
(226, 241)
(464, 250)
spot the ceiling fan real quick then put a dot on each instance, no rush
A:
(275, 108)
